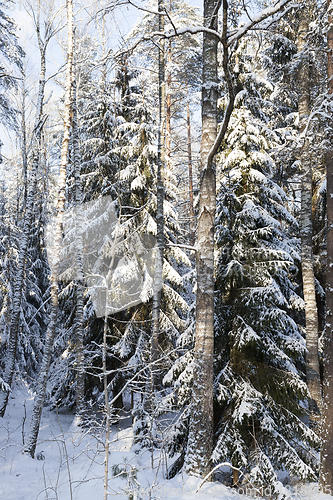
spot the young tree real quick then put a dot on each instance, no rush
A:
(28, 211)
(44, 372)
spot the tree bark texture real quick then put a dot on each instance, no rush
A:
(200, 441)
(168, 111)
(159, 201)
(309, 289)
(190, 170)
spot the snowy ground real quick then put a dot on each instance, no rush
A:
(80, 476)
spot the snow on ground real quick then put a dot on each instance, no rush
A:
(70, 464)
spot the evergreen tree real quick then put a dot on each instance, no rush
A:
(259, 389)
(11, 55)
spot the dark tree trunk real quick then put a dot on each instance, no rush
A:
(309, 289)
(326, 461)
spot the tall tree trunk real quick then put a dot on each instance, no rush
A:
(44, 372)
(159, 202)
(168, 112)
(309, 290)
(107, 410)
(24, 143)
(326, 459)
(79, 323)
(200, 441)
(24, 241)
(190, 169)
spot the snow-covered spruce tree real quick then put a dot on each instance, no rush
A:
(294, 58)
(119, 160)
(97, 170)
(301, 77)
(10, 62)
(136, 137)
(200, 437)
(33, 322)
(182, 70)
(260, 390)
(8, 252)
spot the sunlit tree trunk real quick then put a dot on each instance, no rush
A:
(309, 289)
(200, 441)
(160, 199)
(190, 170)
(168, 111)
(45, 368)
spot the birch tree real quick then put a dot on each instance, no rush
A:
(40, 119)
(44, 372)
(201, 436)
(160, 196)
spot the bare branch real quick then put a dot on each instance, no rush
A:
(223, 464)
(270, 11)
(230, 105)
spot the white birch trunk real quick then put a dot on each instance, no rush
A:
(190, 170)
(43, 375)
(200, 441)
(159, 202)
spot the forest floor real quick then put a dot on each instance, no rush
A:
(70, 463)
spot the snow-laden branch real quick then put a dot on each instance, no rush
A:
(193, 30)
(7, 75)
(276, 19)
(264, 14)
(144, 9)
(232, 37)
(231, 91)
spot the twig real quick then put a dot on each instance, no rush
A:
(223, 464)
(23, 421)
